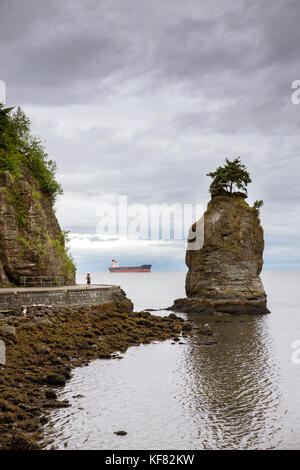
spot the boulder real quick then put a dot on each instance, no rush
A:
(56, 379)
(8, 332)
(50, 394)
(120, 433)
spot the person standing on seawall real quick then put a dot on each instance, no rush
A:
(88, 280)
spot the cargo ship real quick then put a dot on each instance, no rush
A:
(116, 268)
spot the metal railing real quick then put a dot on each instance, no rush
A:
(42, 281)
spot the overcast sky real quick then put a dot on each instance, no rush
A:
(143, 97)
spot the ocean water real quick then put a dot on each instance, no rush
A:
(243, 392)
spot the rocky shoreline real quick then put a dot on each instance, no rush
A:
(43, 348)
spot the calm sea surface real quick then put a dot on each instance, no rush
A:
(241, 393)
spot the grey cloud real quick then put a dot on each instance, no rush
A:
(79, 52)
(210, 79)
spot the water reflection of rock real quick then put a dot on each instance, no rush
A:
(233, 389)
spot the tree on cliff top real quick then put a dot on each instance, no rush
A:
(227, 177)
(19, 147)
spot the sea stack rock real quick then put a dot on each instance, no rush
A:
(223, 275)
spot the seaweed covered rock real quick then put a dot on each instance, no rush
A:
(223, 273)
(44, 358)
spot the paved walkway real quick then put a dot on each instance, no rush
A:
(12, 290)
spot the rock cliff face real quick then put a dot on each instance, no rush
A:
(224, 273)
(31, 241)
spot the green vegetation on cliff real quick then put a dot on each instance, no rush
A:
(62, 249)
(19, 147)
(31, 240)
(256, 206)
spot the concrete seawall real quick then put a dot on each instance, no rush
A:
(14, 299)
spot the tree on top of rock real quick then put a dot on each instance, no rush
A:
(230, 176)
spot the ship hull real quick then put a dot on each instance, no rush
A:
(132, 269)
(112, 270)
